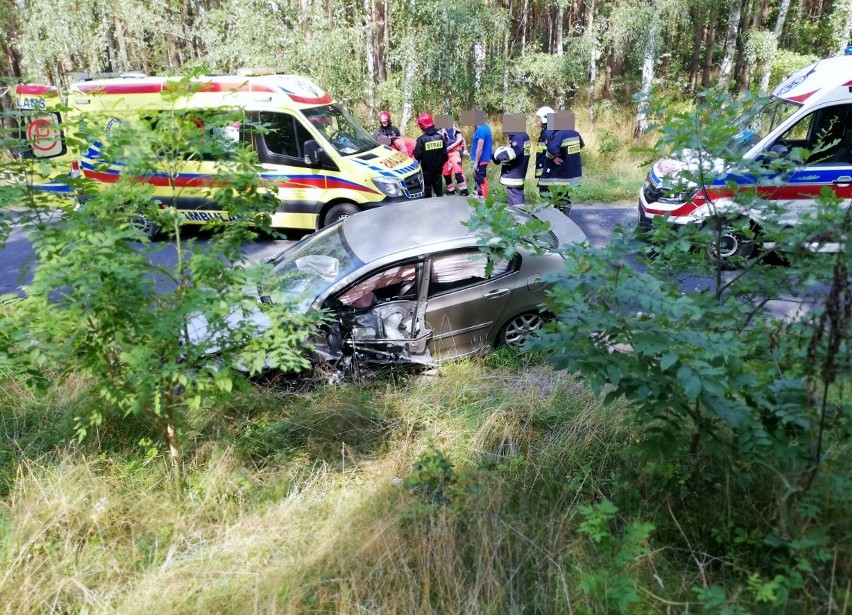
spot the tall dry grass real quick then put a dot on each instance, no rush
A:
(255, 531)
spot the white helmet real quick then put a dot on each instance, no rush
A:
(542, 114)
(504, 154)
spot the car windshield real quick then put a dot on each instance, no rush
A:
(341, 131)
(760, 121)
(549, 239)
(310, 267)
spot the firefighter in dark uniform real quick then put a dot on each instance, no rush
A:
(562, 167)
(543, 138)
(431, 152)
(514, 159)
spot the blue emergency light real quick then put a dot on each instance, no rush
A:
(849, 50)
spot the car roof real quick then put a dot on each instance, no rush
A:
(395, 228)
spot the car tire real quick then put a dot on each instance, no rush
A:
(734, 247)
(339, 212)
(519, 329)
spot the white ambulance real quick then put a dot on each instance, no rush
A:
(811, 109)
(324, 165)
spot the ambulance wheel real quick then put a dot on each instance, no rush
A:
(339, 212)
(518, 330)
(735, 247)
(144, 226)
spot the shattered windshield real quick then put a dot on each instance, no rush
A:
(759, 122)
(310, 267)
(344, 134)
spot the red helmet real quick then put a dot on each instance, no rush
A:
(425, 121)
(384, 116)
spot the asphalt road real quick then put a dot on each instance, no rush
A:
(597, 221)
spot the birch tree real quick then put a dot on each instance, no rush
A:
(783, 7)
(734, 11)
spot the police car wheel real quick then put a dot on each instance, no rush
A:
(144, 226)
(734, 248)
(339, 212)
(518, 330)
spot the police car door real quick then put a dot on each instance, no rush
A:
(301, 188)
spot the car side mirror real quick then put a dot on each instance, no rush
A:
(313, 153)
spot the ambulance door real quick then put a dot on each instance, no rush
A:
(45, 159)
(301, 187)
(827, 134)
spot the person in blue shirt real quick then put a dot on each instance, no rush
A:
(481, 156)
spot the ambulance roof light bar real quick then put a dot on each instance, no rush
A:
(265, 70)
(134, 74)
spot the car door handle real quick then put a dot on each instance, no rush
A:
(843, 180)
(498, 292)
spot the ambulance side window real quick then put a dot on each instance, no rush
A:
(285, 135)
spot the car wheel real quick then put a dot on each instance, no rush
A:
(518, 330)
(734, 247)
(339, 212)
(144, 226)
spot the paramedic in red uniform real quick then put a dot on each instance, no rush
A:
(453, 172)
(431, 153)
(386, 128)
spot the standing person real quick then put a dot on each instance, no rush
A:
(541, 147)
(562, 167)
(481, 156)
(514, 159)
(431, 152)
(386, 128)
(453, 172)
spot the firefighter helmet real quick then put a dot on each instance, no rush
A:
(425, 121)
(504, 154)
(542, 114)
(384, 116)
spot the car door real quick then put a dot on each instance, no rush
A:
(381, 317)
(465, 302)
(301, 188)
(827, 134)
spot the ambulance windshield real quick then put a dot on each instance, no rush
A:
(341, 131)
(760, 121)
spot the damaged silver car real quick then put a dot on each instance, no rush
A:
(408, 284)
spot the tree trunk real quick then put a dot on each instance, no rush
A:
(844, 31)
(593, 65)
(700, 33)
(506, 60)
(408, 87)
(779, 28)
(607, 86)
(123, 57)
(479, 66)
(709, 46)
(648, 56)
(370, 57)
(560, 21)
(742, 70)
(524, 14)
(730, 42)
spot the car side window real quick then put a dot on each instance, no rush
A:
(285, 135)
(463, 268)
(391, 284)
(825, 132)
